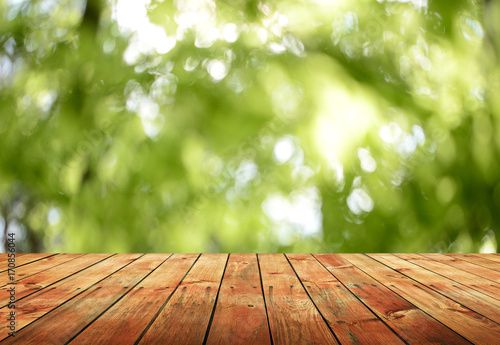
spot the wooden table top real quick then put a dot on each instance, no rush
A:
(251, 299)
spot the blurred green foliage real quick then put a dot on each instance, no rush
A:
(243, 125)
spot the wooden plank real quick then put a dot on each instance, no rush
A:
(42, 302)
(349, 318)
(132, 314)
(4, 257)
(186, 316)
(356, 299)
(67, 320)
(412, 324)
(471, 325)
(470, 298)
(38, 266)
(492, 257)
(31, 257)
(466, 266)
(468, 279)
(477, 259)
(293, 318)
(240, 315)
(38, 281)
(24, 259)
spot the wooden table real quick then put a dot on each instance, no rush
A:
(252, 299)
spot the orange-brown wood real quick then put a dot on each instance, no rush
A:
(22, 259)
(491, 257)
(412, 324)
(470, 298)
(4, 258)
(38, 281)
(186, 316)
(240, 314)
(293, 317)
(42, 302)
(38, 266)
(133, 313)
(471, 325)
(477, 259)
(464, 265)
(64, 323)
(254, 299)
(473, 281)
(348, 317)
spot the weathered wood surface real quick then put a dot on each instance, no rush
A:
(252, 299)
(293, 317)
(186, 316)
(21, 259)
(240, 315)
(460, 275)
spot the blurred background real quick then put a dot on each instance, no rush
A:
(243, 125)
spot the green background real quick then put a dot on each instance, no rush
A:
(243, 126)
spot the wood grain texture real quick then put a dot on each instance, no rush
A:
(4, 259)
(348, 317)
(41, 280)
(466, 266)
(65, 322)
(478, 259)
(255, 299)
(471, 325)
(412, 324)
(133, 313)
(186, 316)
(33, 307)
(240, 314)
(473, 281)
(23, 259)
(293, 317)
(37, 266)
(470, 298)
(492, 257)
